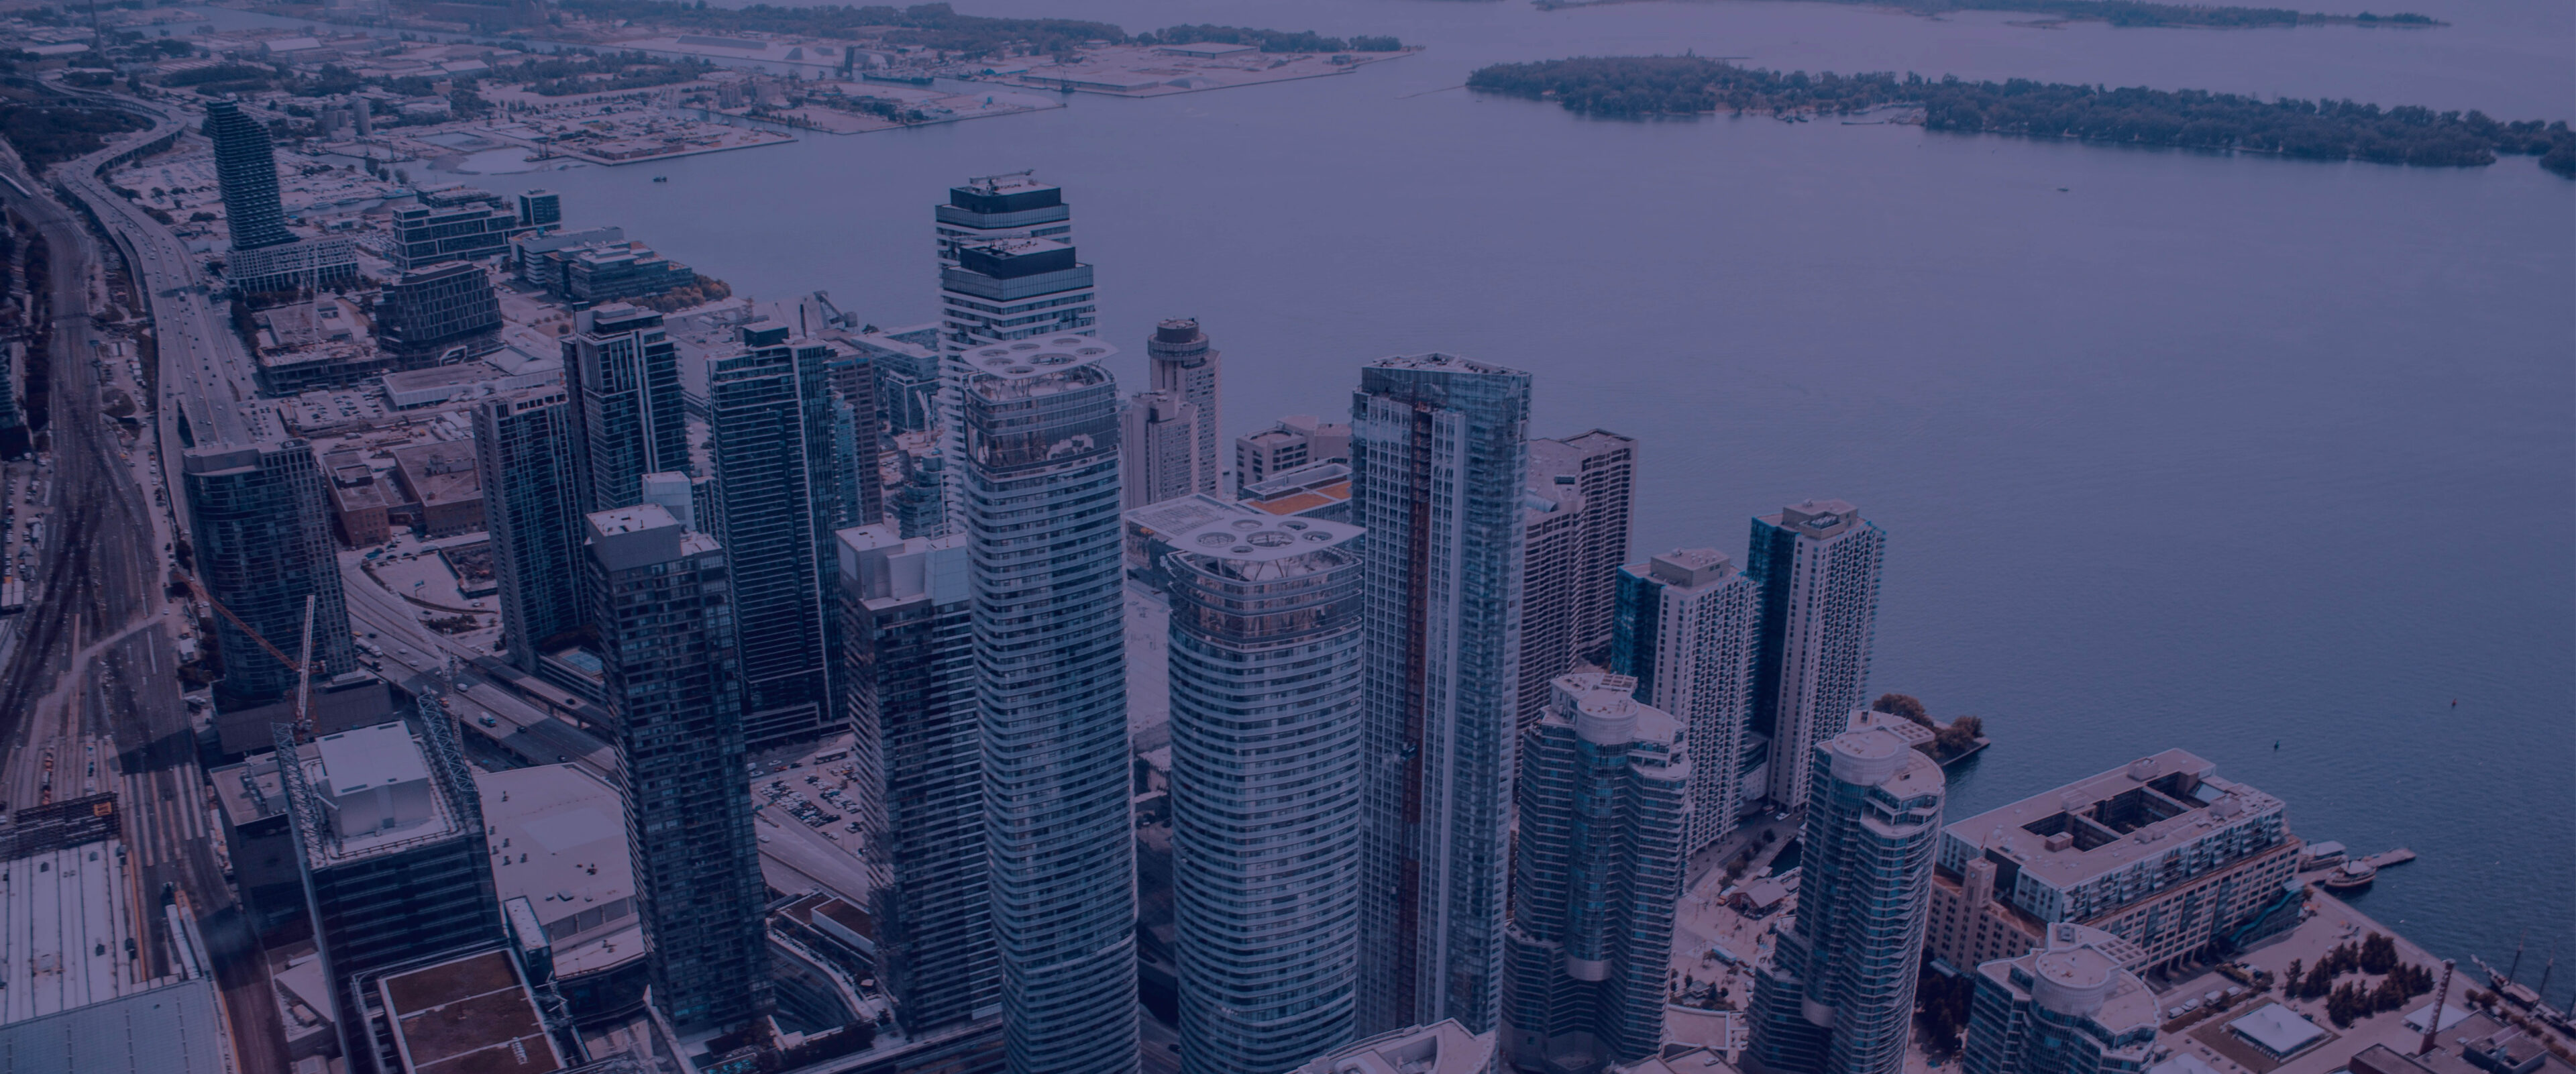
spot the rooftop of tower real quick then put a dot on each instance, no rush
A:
(1026, 358)
(1435, 361)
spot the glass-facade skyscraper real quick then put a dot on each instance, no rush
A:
(770, 413)
(1598, 866)
(1818, 565)
(918, 747)
(622, 375)
(246, 174)
(666, 631)
(1039, 484)
(1265, 691)
(1439, 464)
(1838, 995)
(523, 453)
(261, 525)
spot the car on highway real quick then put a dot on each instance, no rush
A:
(487, 720)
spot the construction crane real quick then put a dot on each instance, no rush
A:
(292, 664)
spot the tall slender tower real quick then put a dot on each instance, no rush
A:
(262, 530)
(1185, 367)
(1012, 293)
(918, 747)
(1266, 633)
(1040, 481)
(666, 626)
(1581, 490)
(1818, 565)
(1597, 869)
(1158, 441)
(770, 415)
(1684, 631)
(1439, 460)
(622, 376)
(1838, 996)
(246, 173)
(523, 453)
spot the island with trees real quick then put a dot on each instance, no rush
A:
(2118, 13)
(1634, 87)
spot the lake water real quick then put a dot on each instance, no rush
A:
(2270, 460)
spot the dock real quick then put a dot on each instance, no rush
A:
(2399, 856)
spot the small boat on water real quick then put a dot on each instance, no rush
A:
(661, 178)
(2352, 875)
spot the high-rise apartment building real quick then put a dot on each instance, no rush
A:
(1603, 792)
(1040, 503)
(1818, 565)
(523, 453)
(260, 522)
(1265, 689)
(1838, 996)
(1298, 440)
(1013, 293)
(992, 208)
(1185, 367)
(390, 840)
(1158, 443)
(246, 173)
(771, 420)
(2223, 858)
(666, 629)
(622, 375)
(1439, 456)
(1684, 631)
(2069, 1006)
(439, 316)
(1581, 490)
(918, 749)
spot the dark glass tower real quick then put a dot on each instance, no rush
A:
(666, 625)
(262, 530)
(622, 373)
(772, 418)
(523, 453)
(246, 170)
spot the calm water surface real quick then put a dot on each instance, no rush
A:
(2273, 461)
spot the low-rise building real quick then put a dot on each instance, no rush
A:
(558, 841)
(1443, 1047)
(1298, 440)
(438, 316)
(2160, 852)
(459, 223)
(1319, 490)
(440, 476)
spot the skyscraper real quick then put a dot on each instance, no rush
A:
(261, 527)
(771, 421)
(989, 208)
(1186, 368)
(1579, 507)
(1040, 501)
(1439, 463)
(1596, 871)
(246, 173)
(1838, 995)
(666, 625)
(1265, 688)
(1684, 631)
(622, 375)
(918, 748)
(1006, 292)
(2068, 1006)
(523, 453)
(1158, 441)
(1818, 565)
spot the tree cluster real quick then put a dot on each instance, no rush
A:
(45, 134)
(1941, 1010)
(2351, 1000)
(931, 25)
(565, 74)
(1268, 40)
(223, 78)
(1642, 86)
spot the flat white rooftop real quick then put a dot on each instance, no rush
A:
(66, 918)
(559, 840)
(367, 757)
(173, 1029)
